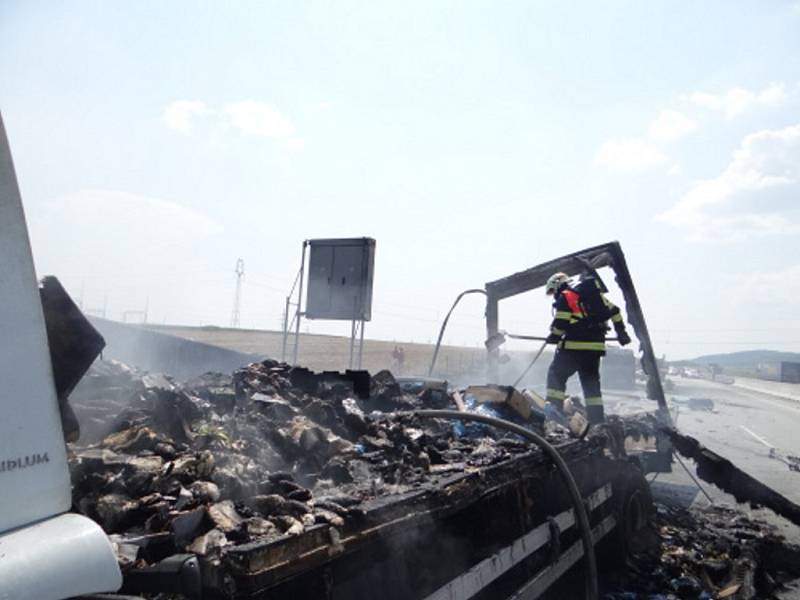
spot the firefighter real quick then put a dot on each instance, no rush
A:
(579, 332)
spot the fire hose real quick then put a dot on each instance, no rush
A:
(530, 365)
(577, 501)
(444, 324)
(504, 335)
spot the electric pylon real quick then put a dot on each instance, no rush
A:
(238, 295)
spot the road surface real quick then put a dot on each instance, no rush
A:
(740, 415)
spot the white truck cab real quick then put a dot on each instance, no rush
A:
(45, 552)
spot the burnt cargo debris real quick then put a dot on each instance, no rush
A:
(275, 471)
(280, 482)
(712, 552)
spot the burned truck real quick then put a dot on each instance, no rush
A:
(273, 481)
(277, 481)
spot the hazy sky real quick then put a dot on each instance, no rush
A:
(157, 142)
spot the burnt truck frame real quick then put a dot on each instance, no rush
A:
(507, 530)
(588, 261)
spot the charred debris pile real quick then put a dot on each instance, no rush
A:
(272, 452)
(714, 552)
(266, 453)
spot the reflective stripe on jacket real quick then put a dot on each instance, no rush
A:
(575, 328)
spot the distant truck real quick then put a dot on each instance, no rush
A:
(785, 371)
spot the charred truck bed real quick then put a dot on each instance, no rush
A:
(411, 545)
(279, 482)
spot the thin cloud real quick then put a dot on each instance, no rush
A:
(252, 117)
(786, 279)
(126, 248)
(628, 155)
(248, 117)
(671, 125)
(737, 101)
(756, 195)
(180, 114)
(145, 216)
(120, 233)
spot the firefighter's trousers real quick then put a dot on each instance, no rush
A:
(587, 364)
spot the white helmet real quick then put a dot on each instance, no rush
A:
(555, 282)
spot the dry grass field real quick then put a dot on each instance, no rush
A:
(457, 364)
(327, 352)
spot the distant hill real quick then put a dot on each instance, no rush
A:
(745, 359)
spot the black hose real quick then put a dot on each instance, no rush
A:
(549, 450)
(530, 365)
(444, 324)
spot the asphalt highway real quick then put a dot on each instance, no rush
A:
(744, 425)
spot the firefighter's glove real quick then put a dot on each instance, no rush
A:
(553, 339)
(623, 338)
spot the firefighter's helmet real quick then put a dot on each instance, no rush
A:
(555, 282)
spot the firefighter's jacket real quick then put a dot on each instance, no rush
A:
(577, 330)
